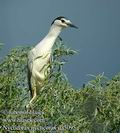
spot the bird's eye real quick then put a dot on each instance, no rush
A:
(63, 21)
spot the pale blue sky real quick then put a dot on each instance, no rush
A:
(26, 22)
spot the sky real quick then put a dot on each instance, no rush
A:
(26, 22)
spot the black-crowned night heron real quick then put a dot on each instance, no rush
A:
(39, 56)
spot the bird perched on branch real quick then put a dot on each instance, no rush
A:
(39, 56)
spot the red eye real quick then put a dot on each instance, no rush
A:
(63, 21)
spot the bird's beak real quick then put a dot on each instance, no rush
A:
(72, 25)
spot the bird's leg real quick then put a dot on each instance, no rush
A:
(33, 95)
(36, 83)
(29, 105)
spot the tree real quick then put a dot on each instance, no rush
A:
(95, 108)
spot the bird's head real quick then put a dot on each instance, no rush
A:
(63, 22)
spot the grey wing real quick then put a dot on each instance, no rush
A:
(29, 71)
(29, 74)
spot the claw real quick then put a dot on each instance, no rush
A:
(29, 107)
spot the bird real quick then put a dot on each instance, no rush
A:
(39, 56)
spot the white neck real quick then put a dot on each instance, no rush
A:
(49, 40)
(54, 31)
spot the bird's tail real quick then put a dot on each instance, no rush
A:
(29, 80)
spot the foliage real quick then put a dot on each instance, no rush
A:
(95, 108)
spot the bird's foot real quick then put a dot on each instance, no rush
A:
(29, 107)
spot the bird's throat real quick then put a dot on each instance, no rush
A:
(54, 31)
(47, 43)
